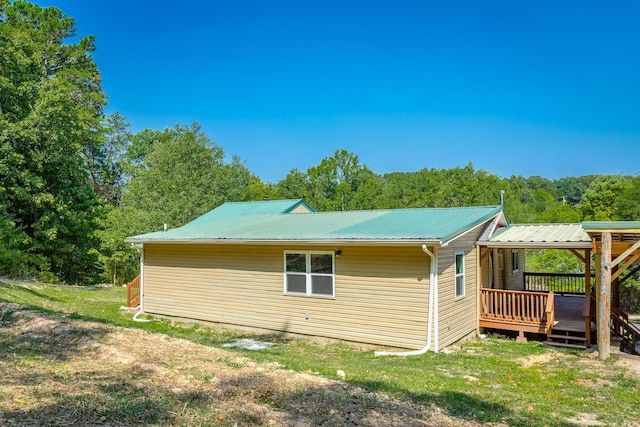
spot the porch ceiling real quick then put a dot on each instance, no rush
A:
(548, 236)
(624, 235)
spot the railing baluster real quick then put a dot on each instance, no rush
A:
(562, 283)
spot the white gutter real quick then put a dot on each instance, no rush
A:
(141, 310)
(319, 242)
(431, 316)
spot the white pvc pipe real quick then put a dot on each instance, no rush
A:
(436, 316)
(135, 316)
(433, 281)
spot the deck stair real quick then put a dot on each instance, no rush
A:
(567, 337)
(569, 326)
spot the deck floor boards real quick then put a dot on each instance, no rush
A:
(568, 313)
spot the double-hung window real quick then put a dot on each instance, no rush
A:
(459, 273)
(309, 273)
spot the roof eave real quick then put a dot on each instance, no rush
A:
(359, 242)
(536, 245)
(453, 236)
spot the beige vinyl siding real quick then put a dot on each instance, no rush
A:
(457, 317)
(300, 209)
(515, 280)
(381, 294)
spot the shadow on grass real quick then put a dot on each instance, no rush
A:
(30, 333)
(28, 290)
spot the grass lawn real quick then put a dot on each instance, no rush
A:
(494, 381)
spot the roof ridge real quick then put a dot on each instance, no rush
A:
(399, 209)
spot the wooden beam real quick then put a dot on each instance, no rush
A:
(633, 259)
(626, 253)
(587, 298)
(576, 253)
(604, 298)
(631, 273)
(617, 248)
(485, 254)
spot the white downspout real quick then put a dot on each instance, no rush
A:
(135, 316)
(431, 317)
(436, 334)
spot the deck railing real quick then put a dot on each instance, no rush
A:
(133, 292)
(560, 283)
(517, 310)
(628, 333)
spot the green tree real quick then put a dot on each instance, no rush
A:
(628, 204)
(50, 111)
(572, 188)
(182, 176)
(106, 162)
(558, 213)
(600, 201)
(338, 182)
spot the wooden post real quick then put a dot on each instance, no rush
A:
(587, 297)
(478, 286)
(604, 298)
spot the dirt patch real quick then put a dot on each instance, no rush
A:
(57, 371)
(623, 362)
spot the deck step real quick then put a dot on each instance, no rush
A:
(568, 337)
(562, 344)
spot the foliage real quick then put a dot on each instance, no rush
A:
(600, 201)
(338, 183)
(553, 261)
(176, 176)
(106, 162)
(50, 111)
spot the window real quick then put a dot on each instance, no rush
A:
(515, 261)
(309, 273)
(459, 256)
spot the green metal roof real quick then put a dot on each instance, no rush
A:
(610, 225)
(429, 224)
(235, 209)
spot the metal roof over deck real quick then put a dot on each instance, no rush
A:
(549, 236)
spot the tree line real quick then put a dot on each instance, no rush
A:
(74, 181)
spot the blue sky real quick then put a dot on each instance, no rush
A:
(517, 88)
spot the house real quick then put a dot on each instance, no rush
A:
(403, 277)
(409, 278)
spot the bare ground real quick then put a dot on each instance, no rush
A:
(56, 371)
(60, 372)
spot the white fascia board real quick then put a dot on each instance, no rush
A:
(537, 245)
(472, 228)
(354, 242)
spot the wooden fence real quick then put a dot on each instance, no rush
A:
(133, 292)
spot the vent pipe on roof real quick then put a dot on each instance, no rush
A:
(165, 227)
(502, 198)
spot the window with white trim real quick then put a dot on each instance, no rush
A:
(309, 273)
(515, 261)
(459, 273)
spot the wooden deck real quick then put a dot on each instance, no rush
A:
(517, 311)
(569, 313)
(560, 317)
